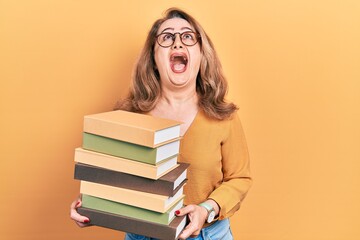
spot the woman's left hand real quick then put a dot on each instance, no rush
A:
(197, 216)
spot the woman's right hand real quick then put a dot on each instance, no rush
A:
(81, 221)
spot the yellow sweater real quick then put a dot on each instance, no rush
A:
(219, 163)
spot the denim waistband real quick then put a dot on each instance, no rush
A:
(217, 231)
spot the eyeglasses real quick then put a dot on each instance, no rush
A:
(187, 38)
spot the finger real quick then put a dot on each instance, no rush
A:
(75, 204)
(189, 230)
(185, 210)
(80, 220)
(82, 225)
(74, 215)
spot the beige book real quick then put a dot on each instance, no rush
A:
(132, 127)
(154, 202)
(125, 165)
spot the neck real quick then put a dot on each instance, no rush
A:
(178, 105)
(176, 99)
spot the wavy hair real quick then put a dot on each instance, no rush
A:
(211, 85)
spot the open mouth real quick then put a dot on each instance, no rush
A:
(178, 62)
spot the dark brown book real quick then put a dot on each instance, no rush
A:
(167, 185)
(131, 225)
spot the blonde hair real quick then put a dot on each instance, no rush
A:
(211, 85)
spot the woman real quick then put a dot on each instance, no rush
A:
(179, 76)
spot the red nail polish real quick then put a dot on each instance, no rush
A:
(77, 204)
(177, 212)
(86, 221)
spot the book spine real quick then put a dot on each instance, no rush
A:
(127, 224)
(119, 148)
(118, 164)
(123, 180)
(113, 129)
(154, 202)
(130, 211)
(132, 127)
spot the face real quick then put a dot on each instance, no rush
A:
(178, 65)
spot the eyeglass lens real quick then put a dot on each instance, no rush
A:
(167, 39)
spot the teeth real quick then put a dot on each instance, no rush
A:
(178, 56)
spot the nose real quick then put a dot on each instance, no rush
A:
(177, 41)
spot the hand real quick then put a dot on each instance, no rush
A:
(81, 221)
(197, 216)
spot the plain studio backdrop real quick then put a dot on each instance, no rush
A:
(293, 68)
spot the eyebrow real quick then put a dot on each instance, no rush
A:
(183, 28)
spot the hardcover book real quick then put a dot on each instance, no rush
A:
(128, 150)
(167, 185)
(126, 166)
(131, 211)
(132, 225)
(150, 201)
(132, 127)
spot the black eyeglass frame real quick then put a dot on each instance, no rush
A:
(173, 36)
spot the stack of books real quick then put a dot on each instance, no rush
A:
(130, 177)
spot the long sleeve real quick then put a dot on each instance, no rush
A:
(236, 170)
(219, 163)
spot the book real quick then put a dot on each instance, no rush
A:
(132, 225)
(128, 150)
(130, 211)
(150, 201)
(167, 185)
(132, 127)
(119, 165)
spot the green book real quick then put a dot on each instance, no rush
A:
(128, 150)
(131, 211)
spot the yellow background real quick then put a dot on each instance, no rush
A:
(293, 67)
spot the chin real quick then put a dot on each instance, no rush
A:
(178, 83)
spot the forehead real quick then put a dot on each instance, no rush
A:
(175, 24)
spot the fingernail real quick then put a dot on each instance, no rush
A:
(77, 204)
(177, 212)
(86, 221)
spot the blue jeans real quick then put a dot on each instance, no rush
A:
(220, 230)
